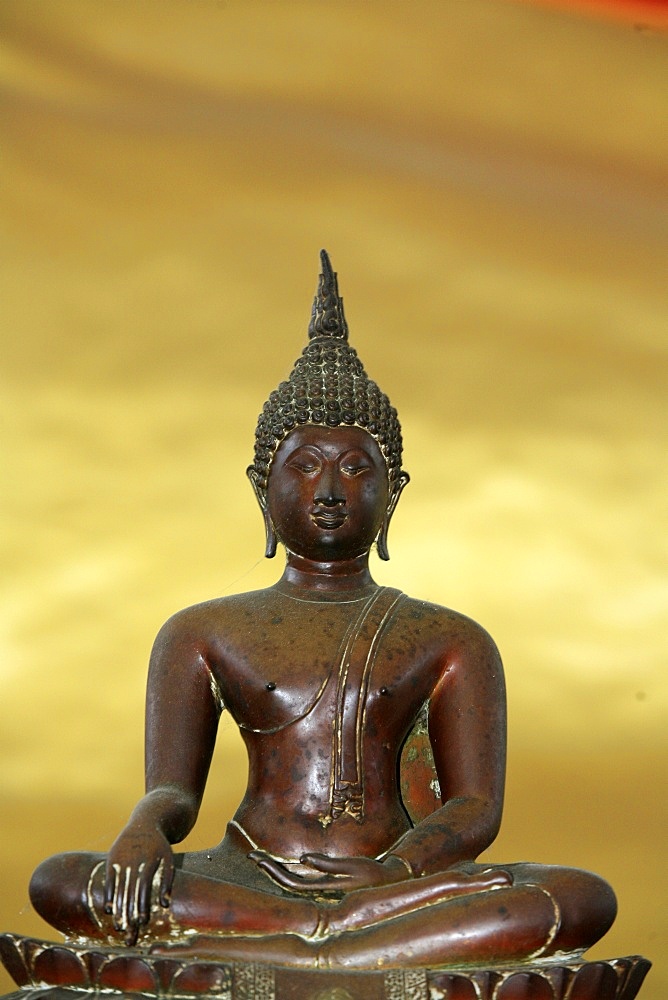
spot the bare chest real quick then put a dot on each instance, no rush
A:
(343, 661)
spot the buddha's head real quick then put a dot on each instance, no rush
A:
(328, 429)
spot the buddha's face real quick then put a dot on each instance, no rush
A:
(328, 492)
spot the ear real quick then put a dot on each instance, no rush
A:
(261, 497)
(381, 541)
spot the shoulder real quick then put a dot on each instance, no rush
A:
(199, 622)
(458, 635)
(446, 620)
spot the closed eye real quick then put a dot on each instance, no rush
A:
(354, 470)
(306, 467)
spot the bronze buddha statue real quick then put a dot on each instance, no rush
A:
(326, 675)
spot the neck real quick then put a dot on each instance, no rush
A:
(344, 577)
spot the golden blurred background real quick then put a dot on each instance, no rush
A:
(490, 180)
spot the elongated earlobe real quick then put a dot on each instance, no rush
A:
(270, 535)
(261, 497)
(381, 541)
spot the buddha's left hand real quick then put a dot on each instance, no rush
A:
(336, 874)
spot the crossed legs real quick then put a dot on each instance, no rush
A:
(421, 922)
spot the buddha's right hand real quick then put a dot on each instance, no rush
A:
(140, 865)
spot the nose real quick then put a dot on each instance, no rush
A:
(329, 492)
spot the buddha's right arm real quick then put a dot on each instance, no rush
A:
(140, 863)
(181, 723)
(182, 714)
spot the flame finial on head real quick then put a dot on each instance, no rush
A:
(327, 316)
(328, 387)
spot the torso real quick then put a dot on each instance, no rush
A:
(277, 663)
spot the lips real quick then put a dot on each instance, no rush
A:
(330, 520)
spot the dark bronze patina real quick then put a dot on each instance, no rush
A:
(375, 729)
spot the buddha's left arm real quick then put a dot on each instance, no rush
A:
(467, 729)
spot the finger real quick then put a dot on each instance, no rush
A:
(111, 877)
(166, 879)
(143, 894)
(123, 899)
(285, 878)
(131, 934)
(334, 866)
(140, 909)
(275, 869)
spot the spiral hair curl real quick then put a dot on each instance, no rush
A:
(328, 386)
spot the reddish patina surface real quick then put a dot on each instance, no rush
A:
(375, 729)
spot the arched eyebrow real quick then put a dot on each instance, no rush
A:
(311, 450)
(359, 449)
